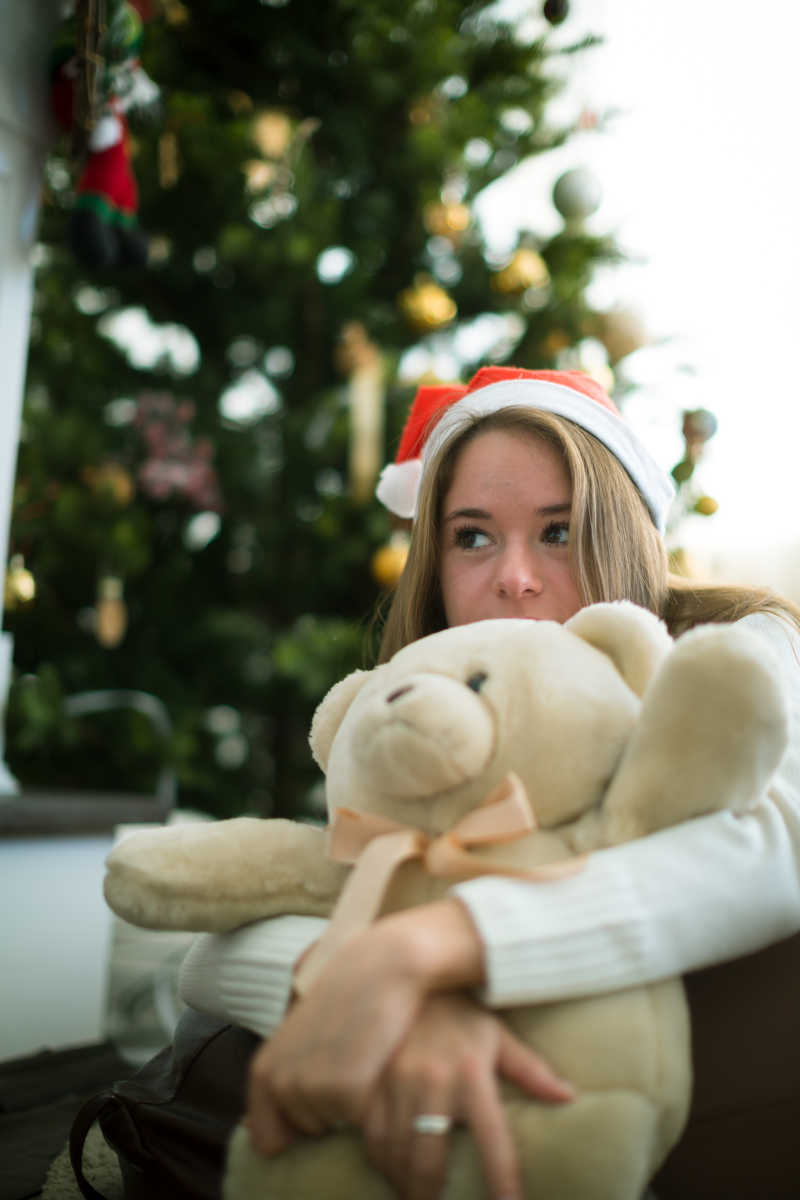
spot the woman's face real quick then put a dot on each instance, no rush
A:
(505, 532)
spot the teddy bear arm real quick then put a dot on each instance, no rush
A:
(712, 730)
(215, 877)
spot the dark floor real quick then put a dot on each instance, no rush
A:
(39, 1096)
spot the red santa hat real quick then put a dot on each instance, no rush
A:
(438, 414)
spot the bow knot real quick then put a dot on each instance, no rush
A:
(378, 846)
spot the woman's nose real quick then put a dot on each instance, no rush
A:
(517, 575)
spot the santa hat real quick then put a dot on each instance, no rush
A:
(438, 414)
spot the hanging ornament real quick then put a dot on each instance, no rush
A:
(389, 560)
(169, 160)
(272, 133)
(621, 331)
(20, 585)
(699, 425)
(112, 480)
(94, 82)
(556, 11)
(527, 269)
(259, 174)
(554, 342)
(240, 102)
(426, 305)
(682, 471)
(425, 109)
(111, 614)
(175, 13)
(449, 219)
(360, 360)
(577, 194)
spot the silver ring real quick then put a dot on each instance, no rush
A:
(436, 1123)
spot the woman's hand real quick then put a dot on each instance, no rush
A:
(321, 1065)
(450, 1063)
(383, 1036)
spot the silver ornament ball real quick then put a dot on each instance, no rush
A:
(577, 194)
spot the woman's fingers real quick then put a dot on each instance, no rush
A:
(524, 1067)
(428, 1137)
(269, 1131)
(488, 1118)
(322, 1064)
(449, 1065)
(413, 1159)
(488, 1122)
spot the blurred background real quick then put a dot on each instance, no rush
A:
(335, 203)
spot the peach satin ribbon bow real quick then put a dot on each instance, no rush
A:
(378, 846)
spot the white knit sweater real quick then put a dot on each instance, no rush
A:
(707, 890)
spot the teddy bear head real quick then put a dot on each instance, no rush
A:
(424, 737)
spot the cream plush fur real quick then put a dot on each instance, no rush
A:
(616, 732)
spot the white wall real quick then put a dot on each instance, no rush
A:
(54, 942)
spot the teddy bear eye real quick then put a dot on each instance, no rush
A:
(477, 680)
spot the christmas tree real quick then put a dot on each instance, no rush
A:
(202, 432)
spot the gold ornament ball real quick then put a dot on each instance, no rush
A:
(527, 269)
(426, 305)
(706, 506)
(20, 585)
(446, 219)
(555, 341)
(389, 561)
(112, 480)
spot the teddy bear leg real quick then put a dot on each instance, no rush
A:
(599, 1147)
(335, 1167)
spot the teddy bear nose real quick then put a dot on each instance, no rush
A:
(398, 692)
(477, 680)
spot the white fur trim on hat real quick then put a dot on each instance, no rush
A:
(653, 482)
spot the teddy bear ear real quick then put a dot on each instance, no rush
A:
(330, 713)
(635, 639)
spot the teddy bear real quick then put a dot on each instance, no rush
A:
(505, 746)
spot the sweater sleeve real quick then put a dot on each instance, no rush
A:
(707, 890)
(246, 976)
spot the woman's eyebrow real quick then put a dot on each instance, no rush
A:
(551, 510)
(481, 514)
(476, 514)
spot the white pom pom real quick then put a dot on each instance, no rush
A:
(398, 487)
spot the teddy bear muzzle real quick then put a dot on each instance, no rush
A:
(425, 733)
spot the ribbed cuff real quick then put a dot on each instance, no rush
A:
(246, 976)
(552, 941)
(707, 890)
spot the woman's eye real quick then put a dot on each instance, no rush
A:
(557, 534)
(468, 538)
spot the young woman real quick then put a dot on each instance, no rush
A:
(531, 498)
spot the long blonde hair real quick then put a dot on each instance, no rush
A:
(616, 551)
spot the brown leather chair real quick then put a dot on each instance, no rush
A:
(742, 1140)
